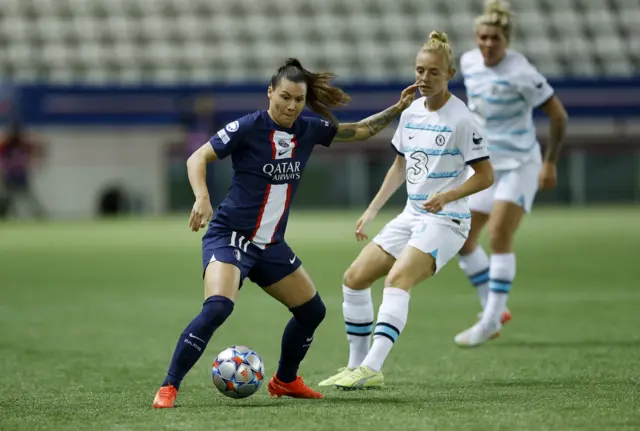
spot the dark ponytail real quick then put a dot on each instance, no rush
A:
(321, 95)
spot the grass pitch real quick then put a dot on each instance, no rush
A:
(90, 313)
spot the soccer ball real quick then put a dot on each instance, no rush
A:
(238, 372)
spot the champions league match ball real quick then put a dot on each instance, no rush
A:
(238, 372)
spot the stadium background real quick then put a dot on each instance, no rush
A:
(119, 92)
(107, 84)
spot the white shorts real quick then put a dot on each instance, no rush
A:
(441, 238)
(516, 185)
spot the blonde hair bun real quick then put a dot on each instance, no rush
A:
(439, 42)
(439, 36)
(497, 13)
(497, 6)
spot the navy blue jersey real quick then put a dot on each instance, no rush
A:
(268, 162)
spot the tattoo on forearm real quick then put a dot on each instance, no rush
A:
(379, 121)
(346, 131)
(368, 127)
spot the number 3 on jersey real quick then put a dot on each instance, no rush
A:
(242, 243)
(418, 168)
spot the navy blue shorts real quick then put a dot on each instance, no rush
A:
(263, 267)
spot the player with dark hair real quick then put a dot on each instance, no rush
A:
(269, 150)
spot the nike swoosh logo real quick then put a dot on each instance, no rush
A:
(411, 137)
(293, 259)
(281, 152)
(193, 336)
(476, 140)
(362, 381)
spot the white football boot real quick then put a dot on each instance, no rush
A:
(478, 334)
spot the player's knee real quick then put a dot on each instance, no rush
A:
(311, 313)
(468, 247)
(217, 309)
(354, 279)
(407, 276)
(500, 239)
(400, 280)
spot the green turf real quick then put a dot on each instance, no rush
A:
(90, 313)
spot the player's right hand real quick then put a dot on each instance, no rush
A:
(362, 222)
(200, 214)
(548, 177)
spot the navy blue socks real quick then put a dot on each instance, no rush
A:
(297, 337)
(195, 337)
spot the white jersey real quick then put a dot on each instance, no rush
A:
(502, 99)
(438, 147)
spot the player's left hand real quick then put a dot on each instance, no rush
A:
(407, 96)
(436, 202)
(548, 177)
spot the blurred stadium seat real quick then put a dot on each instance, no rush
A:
(73, 69)
(203, 40)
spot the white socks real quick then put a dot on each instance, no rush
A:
(358, 318)
(392, 318)
(476, 266)
(501, 274)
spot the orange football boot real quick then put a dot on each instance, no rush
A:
(505, 317)
(295, 389)
(165, 397)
